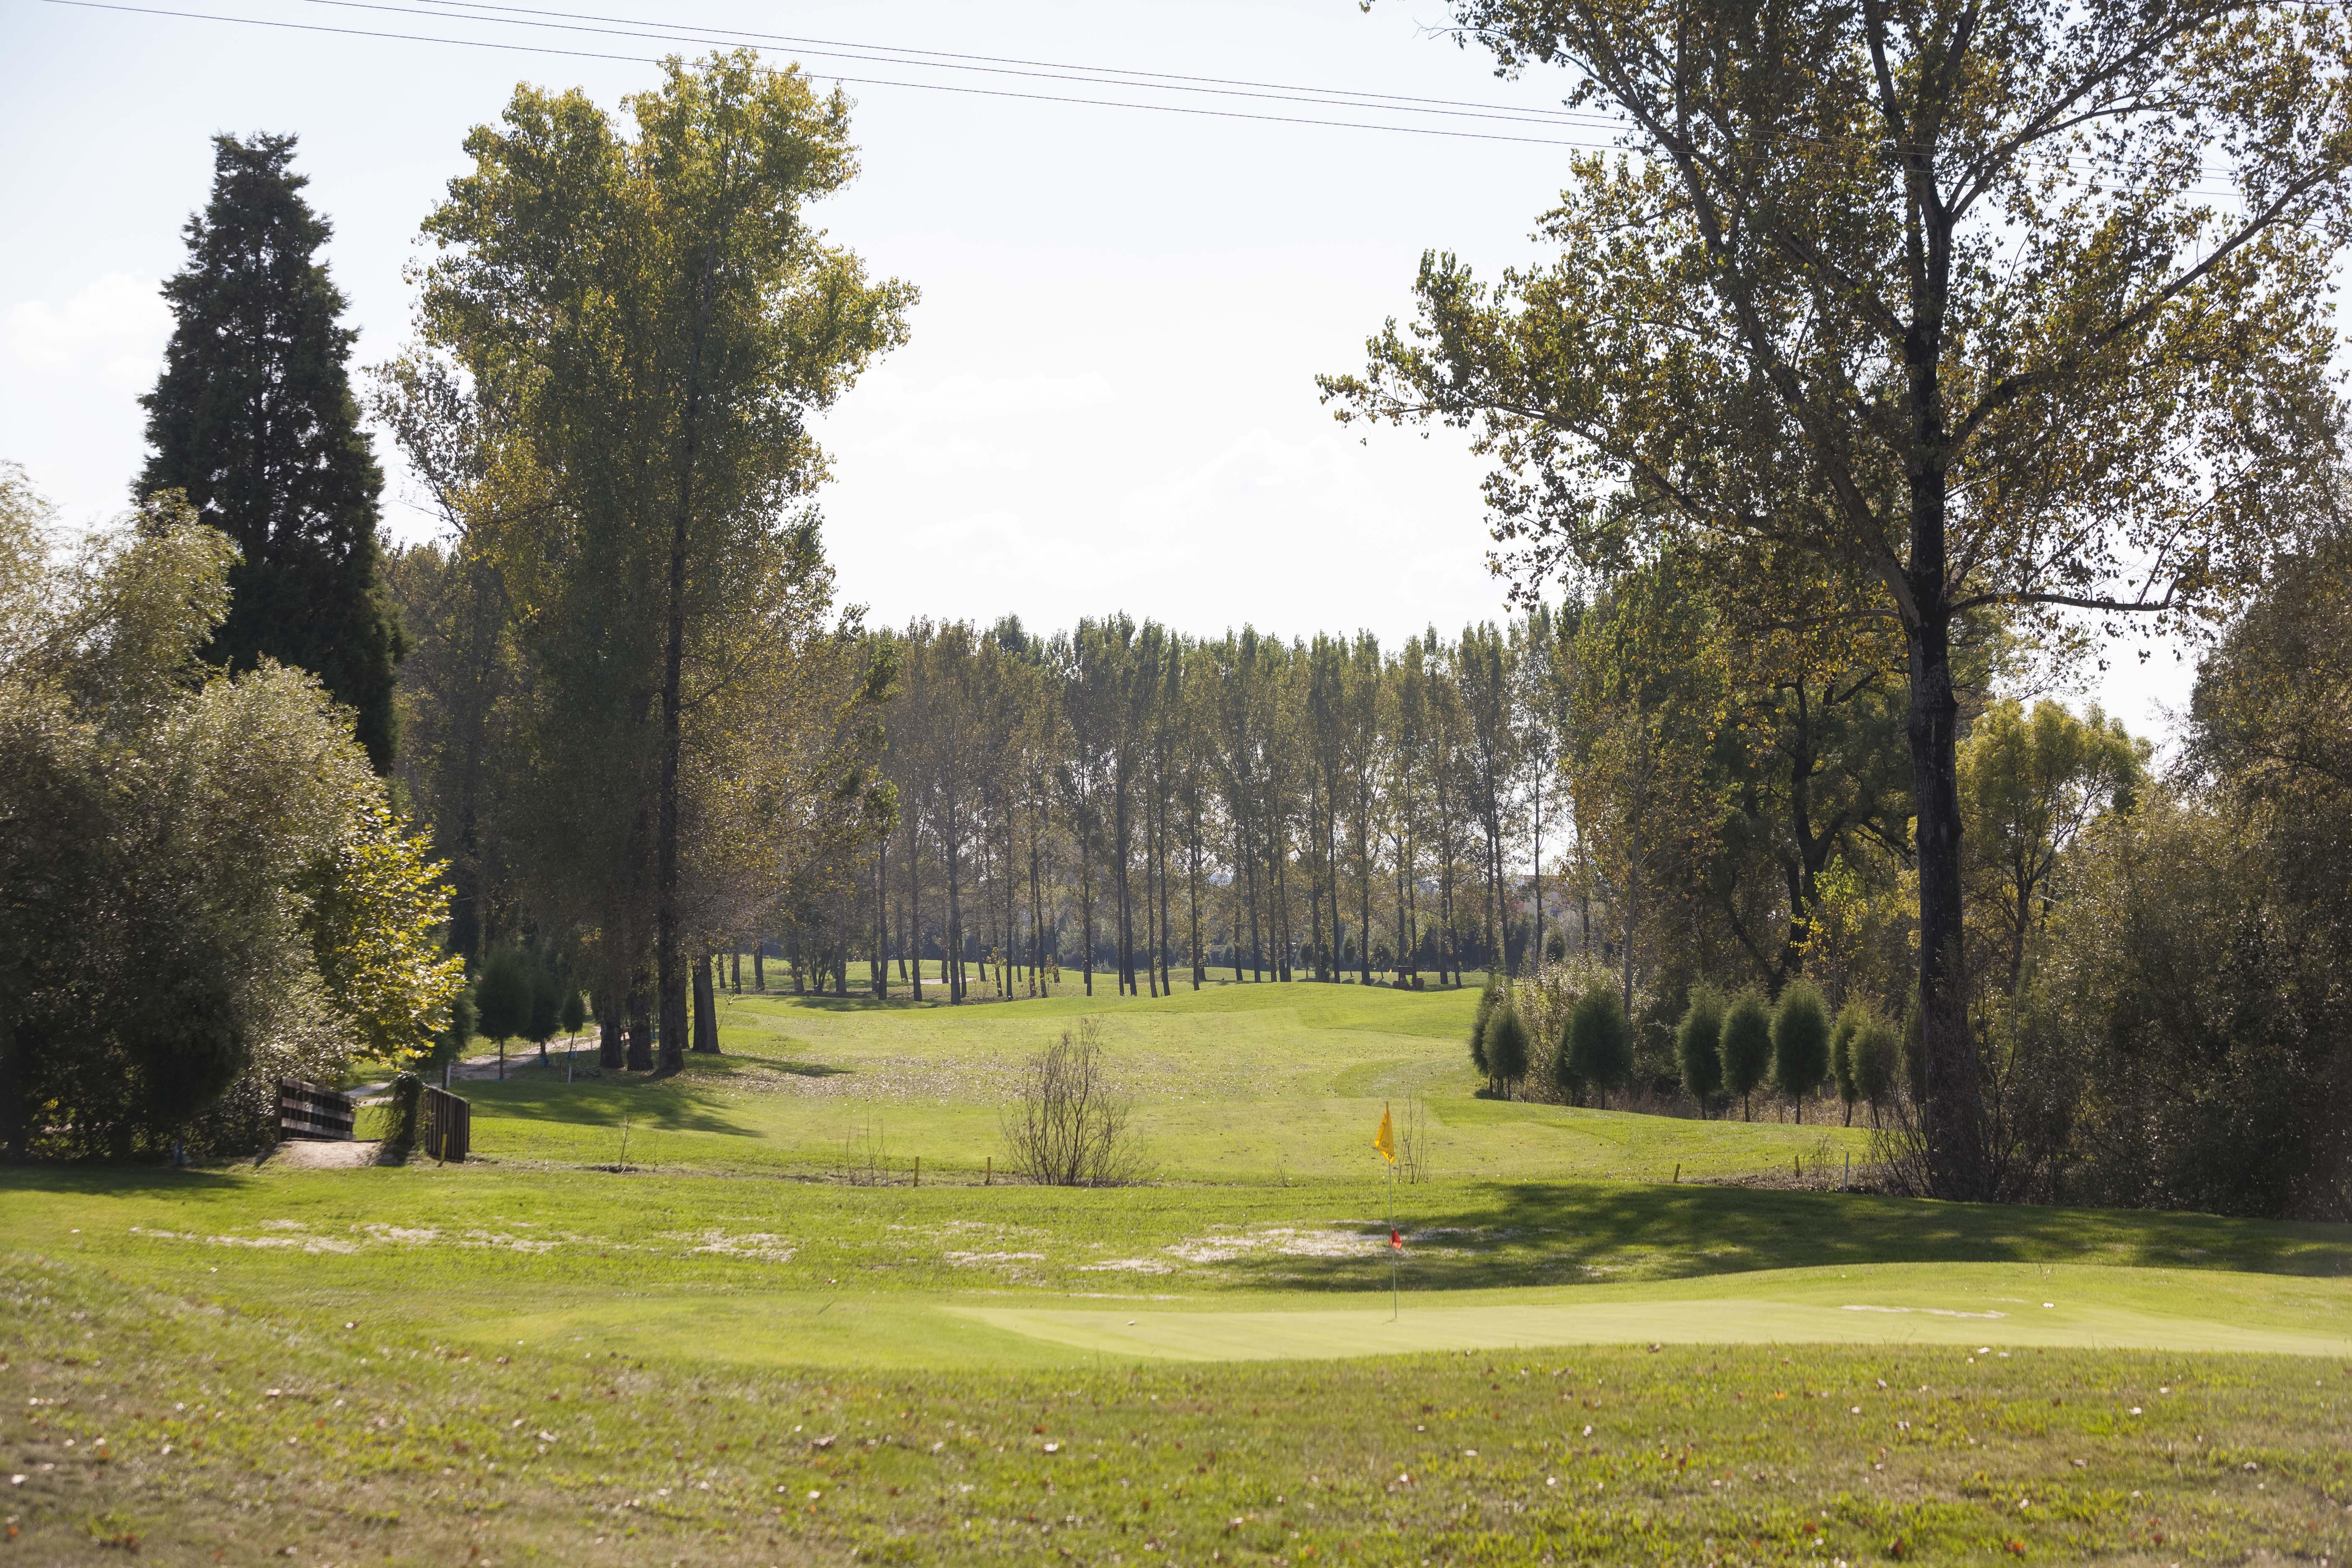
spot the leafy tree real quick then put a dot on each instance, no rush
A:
(1800, 1043)
(1600, 1041)
(1507, 1044)
(575, 1011)
(1745, 1046)
(1698, 1044)
(254, 421)
(654, 322)
(2029, 784)
(206, 888)
(1932, 298)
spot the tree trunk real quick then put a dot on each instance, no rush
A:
(915, 907)
(1953, 1118)
(641, 1029)
(611, 1049)
(881, 975)
(705, 1007)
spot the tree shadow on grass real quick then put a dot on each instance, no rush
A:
(1570, 1233)
(97, 1177)
(674, 1104)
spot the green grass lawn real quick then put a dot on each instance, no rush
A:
(739, 1357)
(1243, 1083)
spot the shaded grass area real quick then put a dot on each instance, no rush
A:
(188, 1422)
(276, 1232)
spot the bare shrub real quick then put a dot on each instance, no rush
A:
(1070, 1126)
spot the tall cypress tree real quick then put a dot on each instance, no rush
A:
(253, 419)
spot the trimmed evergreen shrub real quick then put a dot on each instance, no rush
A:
(1745, 1046)
(1873, 1053)
(1698, 1044)
(1852, 1020)
(1505, 1043)
(1800, 1043)
(502, 995)
(1601, 1040)
(1487, 1000)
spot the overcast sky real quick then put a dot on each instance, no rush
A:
(1109, 400)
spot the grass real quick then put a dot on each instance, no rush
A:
(1233, 1083)
(740, 1358)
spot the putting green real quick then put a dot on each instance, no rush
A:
(1966, 1307)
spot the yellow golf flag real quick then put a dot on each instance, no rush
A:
(1385, 1140)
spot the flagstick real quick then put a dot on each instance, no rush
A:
(1396, 1304)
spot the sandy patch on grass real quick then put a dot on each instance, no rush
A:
(1357, 1240)
(758, 1244)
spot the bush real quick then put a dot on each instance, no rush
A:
(1800, 1043)
(1505, 1043)
(1487, 1000)
(1068, 1126)
(1599, 1040)
(1745, 1046)
(575, 1011)
(1872, 1054)
(1852, 1020)
(400, 1117)
(1698, 1044)
(502, 995)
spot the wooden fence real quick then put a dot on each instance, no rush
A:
(310, 1111)
(448, 1125)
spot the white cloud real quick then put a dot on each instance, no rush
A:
(112, 332)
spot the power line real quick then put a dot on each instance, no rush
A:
(895, 53)
(943, 60)
(849, 81)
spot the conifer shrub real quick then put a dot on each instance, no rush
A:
(1852, 1020)
(1599, 1040)
(1487, 1000)
(1744, 1046)
(1698, 1044)
(1873, 1054)
(1505, 1043)
(1800, 1043)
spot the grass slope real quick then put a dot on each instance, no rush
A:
(1252, 1083)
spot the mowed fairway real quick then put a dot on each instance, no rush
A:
(1259, 1083)
(738, 1356)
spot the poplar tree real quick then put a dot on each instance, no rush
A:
(655, 320)
(253, 419)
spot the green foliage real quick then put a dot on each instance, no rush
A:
(1698, 1044)
(503, 994)
(253, 420)
(1506, 1043)
(207, 888)
(649, 324)
(1746, 1046)
(1852, 1020)
(1488, 1000)
(546, 1012)
(2030, 785)
(1800, 1043)
(1872, 1056)
(575, 1011)
(1599, 1040)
